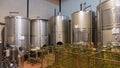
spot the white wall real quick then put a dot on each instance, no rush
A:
(70, 6)
(41, 8)
(7, 6)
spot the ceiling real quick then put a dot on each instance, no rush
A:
(56, 2)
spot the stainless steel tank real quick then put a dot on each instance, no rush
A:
(17, 32)
(108, 13)
(82, 27)
(59, 30)
(1, 42)
(39, 32)
(17, 41)
(1, 48)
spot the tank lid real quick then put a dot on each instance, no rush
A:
(16, 17)
(102, 2)
(59, 14)
(81, 12)
(39, 19)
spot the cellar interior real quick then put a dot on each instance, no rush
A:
(59, 33)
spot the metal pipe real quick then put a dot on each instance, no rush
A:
(81, 7)
(88, 7)
(59, 5)
(55, 27)
(100, 1)
(27, 8)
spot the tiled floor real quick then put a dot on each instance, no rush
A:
(29, 65)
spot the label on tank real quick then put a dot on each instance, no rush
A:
(21, 37)
(7, 53)
(115, 31)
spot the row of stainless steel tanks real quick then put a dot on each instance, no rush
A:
(23, 35)
(59, 30)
